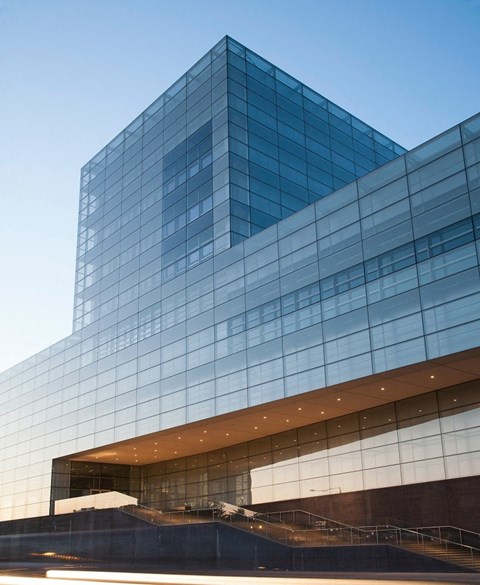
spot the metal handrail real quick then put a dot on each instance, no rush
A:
(238, 517)
(317, 518)
(454, 528)
(438, 529)
(453, 534)
(154, 516)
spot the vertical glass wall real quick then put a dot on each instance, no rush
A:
(429, 437)
(73, 479)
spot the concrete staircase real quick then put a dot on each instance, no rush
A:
(297, 528)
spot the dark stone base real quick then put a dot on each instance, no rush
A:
(110, 539)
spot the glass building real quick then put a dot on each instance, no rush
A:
(275, 304)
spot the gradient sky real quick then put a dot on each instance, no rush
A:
(73, 73)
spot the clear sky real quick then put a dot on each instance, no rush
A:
(73, 73)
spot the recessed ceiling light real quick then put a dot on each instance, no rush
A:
(204, 431)
(432, 377)
(322, 412)
(201, 440)
(299, 408)
(287, 420)
(339, 399)
(227, 434)
(382, 388)
(255, 428)
(264, 417)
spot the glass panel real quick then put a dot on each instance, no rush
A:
(471, 128)
(436, 171)
(433, 149)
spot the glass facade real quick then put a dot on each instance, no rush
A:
(236, 247)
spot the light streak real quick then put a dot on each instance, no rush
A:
(61, 577)
(256, 579)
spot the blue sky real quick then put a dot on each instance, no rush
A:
(75, 72)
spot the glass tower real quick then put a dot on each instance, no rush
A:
(233, 147)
